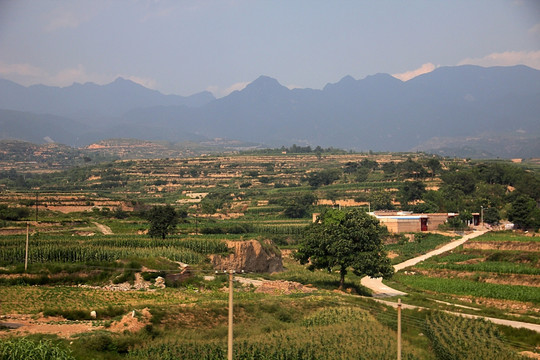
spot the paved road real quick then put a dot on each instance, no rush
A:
(381, 290)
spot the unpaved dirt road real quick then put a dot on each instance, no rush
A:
(381, 290)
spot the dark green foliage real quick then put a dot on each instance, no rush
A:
(227, 229)
(410, 191)
(214, 201)
(434, 166)
(381, 200)
(345, 239)
(389, 168)
(245, 184)
(463, 181)
(524, 213)
(411, 169)
(491, 216)
(13, 214)
(361, 174)
(163, 221)
(299, 206)
(324, 177)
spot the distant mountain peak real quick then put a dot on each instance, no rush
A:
(264, 83)
(347, 79)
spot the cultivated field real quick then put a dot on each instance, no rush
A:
(89, 250)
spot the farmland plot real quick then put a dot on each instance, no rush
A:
(483, 272)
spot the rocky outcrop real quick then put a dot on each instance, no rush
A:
(250, 256)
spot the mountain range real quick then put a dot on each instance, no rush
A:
(493, 111)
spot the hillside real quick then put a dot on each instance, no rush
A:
(488, 112)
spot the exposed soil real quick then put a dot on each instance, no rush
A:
(250, 256)
(508, 305)
(105, 230)
(503, 245)
(56, 325)
(503, 279)
(283, 287)
(132, 322)
(47, 325)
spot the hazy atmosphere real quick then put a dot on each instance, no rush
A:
(185, 47)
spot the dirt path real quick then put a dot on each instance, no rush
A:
(105, 230)
(381, 290)
(511, 323)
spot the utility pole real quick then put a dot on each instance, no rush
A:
(482, 216)
(399, 329)
(26, 253)
(230, 337)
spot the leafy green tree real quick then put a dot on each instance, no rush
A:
(434, 165)
(462, 180)
(13, 213)
(163, 221)
(524, 213)
(346, 239)
(491, 216)
(299, 206)
(361, 174)
(369, 164)
(410, 191)
(324, 177)
(215, 200)
(412, 169)
(381, 200)
(389, 168)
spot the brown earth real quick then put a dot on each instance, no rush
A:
(509, 305)
(61, 327)
(249, 256)
(47, 325)
(503, 245)
(502, 279)
(283, 287)
(132, 323)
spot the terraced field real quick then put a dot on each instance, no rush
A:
(498, 270)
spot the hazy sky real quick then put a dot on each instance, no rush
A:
(184, 47)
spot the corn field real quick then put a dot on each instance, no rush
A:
(326, 335)
(21, 348)
(106, 249)
(458, 338)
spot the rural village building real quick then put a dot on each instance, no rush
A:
(405, 221)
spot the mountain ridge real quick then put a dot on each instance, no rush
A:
(378, 113)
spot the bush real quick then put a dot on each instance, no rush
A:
(13, 214)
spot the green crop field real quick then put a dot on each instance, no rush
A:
(89, 250)
(482, 272)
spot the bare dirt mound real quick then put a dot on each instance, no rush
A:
(283, 287)
(250, 256)
(133, 322)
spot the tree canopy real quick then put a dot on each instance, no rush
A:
(163, 221)
(346, 239)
